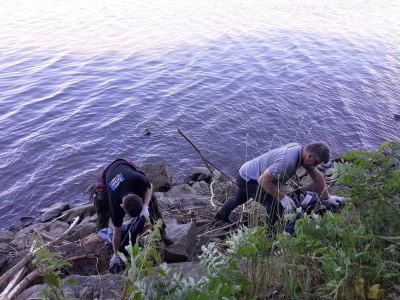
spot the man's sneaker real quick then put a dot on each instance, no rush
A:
(226, 219)
(166, 239)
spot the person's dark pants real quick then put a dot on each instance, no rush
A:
(252, 189)
(103, 211)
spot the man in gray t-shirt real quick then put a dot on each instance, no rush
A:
(261, 177)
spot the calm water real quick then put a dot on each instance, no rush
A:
(82, 81)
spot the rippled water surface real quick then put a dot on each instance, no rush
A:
(81, 82)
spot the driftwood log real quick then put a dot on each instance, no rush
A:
(15, 270)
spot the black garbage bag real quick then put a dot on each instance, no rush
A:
(134, 226)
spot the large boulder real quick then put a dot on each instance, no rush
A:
(53, 211)
(184, 246)
(159, 174)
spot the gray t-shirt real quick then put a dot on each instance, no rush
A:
(282, 162)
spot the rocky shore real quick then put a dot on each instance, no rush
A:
(188, 210)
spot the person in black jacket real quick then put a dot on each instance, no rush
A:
(124, 189)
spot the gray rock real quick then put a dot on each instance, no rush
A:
(6, 236)
(82, 211)
(93, 219)
(201, 187)
(81, 231)
(200, 173)
(23, 239)
(56, 229)
(188, 269)
(32, 292)
(338, 156)
(159, 174)
(184, 246)
(86, 220)
(53, 211)
(180, 190)
(188, 201)
(109, 286)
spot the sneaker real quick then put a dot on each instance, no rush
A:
(166, 239)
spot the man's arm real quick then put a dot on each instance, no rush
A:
(319, 181)
(266, 182)
(147, 195)
(116, 240)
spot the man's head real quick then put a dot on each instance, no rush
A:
(316, 153)
(132, 204)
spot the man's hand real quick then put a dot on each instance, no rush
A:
(335, 200)
(145, 211)
(288, 203)
(115, 265)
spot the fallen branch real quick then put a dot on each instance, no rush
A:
(23, 284)
(31, 255)
(19, 288)
(13, 282)
(205, 160)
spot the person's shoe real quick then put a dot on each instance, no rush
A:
(226, 219)
(166, 239)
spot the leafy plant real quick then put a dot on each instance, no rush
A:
(50, 264)
(374, 181)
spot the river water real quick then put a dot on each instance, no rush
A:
(81, 82)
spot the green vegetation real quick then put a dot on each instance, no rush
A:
(50, 264)
(352, 255)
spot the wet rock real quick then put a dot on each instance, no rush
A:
(82, 211)
(200, 173)
(6, 236)
(184, 246)
(53, 211)
(159, 174)
(14, 228)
